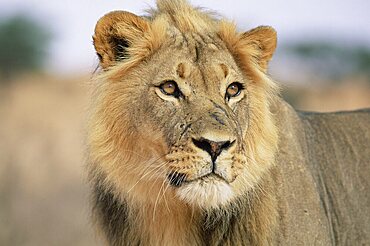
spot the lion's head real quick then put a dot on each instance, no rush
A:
(181, 106)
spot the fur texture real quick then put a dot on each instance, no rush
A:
(199, 167)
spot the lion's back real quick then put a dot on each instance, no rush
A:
(339, 159)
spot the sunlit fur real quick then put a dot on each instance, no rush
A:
(138, 136)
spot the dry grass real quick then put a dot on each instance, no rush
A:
(43, 193)
(348, 95)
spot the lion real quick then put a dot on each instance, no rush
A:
(189, 142)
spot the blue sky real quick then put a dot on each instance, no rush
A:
(73, 21)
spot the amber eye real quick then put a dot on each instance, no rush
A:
(170, 88)
(234, 89)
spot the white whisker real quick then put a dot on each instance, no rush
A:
(147, 172)
(164, 196)
(156, 200)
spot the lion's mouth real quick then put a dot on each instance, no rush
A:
(176, 179)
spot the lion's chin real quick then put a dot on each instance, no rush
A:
(208, 192)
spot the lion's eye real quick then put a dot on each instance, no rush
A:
(234, 89)
(170, 88)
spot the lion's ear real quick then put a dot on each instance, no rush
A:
(115, 33)
(262, 43)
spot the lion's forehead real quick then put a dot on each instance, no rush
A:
(199, 48)
(202, 65)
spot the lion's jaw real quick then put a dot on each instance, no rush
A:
(201, 180)
(207, 192)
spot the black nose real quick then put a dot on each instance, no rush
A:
(214, 149)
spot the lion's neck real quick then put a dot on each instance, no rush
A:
(168, 224)
(127, 222)
(246, 220)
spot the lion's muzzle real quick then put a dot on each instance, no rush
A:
(213, 148)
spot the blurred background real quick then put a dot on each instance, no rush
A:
(46, 61)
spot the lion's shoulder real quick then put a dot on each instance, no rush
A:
(338, 159)
(323, 158)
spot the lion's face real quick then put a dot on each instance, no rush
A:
(200, 106)
(188, 112)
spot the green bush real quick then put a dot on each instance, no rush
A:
(23, 46)
(333, 60)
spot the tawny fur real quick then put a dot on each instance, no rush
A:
(141, 139)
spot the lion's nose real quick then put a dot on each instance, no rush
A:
(214, 149)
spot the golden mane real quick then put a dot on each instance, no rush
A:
(188, 141)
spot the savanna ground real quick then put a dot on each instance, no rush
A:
(43, 190)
